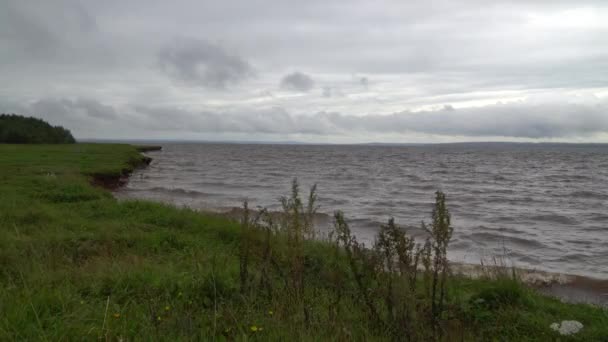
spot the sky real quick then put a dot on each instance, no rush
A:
(341, 71)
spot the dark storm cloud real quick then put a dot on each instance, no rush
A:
(198, 62)
(297, 81)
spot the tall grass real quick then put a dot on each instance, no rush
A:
(386, 275)
(75, 264)
(398, 288)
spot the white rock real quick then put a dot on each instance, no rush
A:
(567, 327)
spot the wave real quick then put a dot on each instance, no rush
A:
(567, 178)
(425, 187)
(221, 184)
(598, 217)
(571, 257)
(500, 178)
(506, 239)
(178, 191)
(526, 200)
(554, 218)
(587, 194)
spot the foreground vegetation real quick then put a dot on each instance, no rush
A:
(77, 264)
(17, 129)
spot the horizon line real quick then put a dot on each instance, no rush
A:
(373, 143)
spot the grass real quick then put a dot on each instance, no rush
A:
(75, 264)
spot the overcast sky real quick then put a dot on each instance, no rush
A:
(317, 71)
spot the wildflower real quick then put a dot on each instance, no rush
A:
(167, 308)
(159, 318)
(270, 313)
(254, 328)
(117, 315)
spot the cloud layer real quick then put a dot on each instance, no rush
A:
(516, 70)
(519, 120)
(297, 81)
(526, 120)
(200, 63)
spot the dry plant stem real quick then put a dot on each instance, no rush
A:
(385, 276)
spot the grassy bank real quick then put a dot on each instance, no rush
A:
(76, 264)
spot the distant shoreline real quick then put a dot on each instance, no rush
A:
(296, 143)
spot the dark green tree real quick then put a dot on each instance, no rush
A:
(17, 129)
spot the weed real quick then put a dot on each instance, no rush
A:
(73, 261)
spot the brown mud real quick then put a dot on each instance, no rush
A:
(113, 181)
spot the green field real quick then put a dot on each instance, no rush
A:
(76, 264)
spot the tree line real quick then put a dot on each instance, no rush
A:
(17, 129)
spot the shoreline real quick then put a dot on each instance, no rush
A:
(77, 258)
(114, 181)
(569, 288)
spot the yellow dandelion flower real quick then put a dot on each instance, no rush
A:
(270, 312)
(117, 315)
(254, 328)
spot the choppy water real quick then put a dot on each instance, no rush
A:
(540, 206)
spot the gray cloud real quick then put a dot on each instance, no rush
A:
(527, 119)
(364, 81)
(331, 92)
(78, 109)
(371, 58)
(519, 120)
(198, 62)
(511, 120)
(85, 117)
(50, 32)
(20, 29)
(297, 81)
